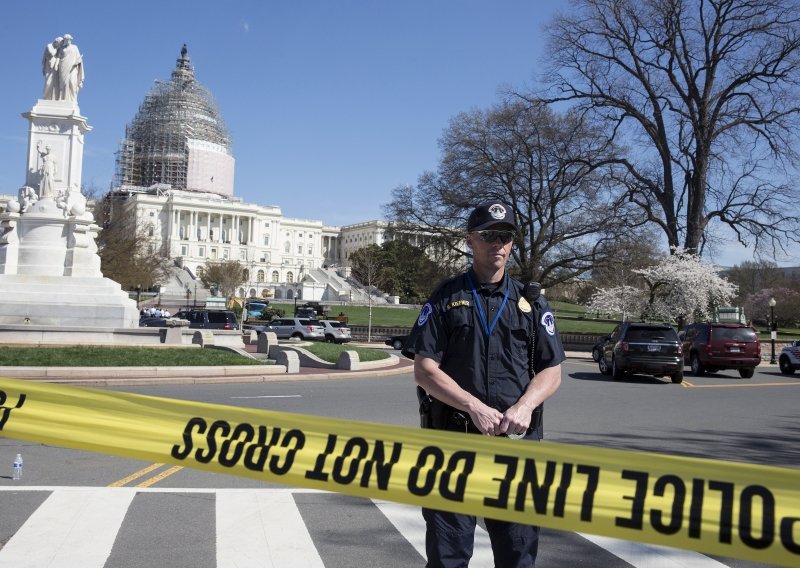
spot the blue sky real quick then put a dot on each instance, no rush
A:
(330, 104)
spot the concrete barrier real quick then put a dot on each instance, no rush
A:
(203, 338)
(349, 360)
(171, 335)
(266, 339)
(288, 359)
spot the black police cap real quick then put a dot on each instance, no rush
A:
(488, 215)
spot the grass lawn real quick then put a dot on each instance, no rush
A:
(359, 315)
(90, 356)
(330, 352)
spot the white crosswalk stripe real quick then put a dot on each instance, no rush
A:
(262, 529)
(647, 555)
(73, 528)
(77, 528)
(409, 522)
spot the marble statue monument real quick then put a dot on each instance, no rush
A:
(49, 268)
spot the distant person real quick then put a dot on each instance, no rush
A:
(70, 70)
(165, 313)
(50, 69)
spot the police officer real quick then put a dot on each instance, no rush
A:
(485, 359)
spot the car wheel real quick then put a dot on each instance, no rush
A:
(697, 367)
(677, 377)
(297, 335)
(616, 373)
(603, 366)
(329, 339)
(596, 353)
(747, 373)
(786, 366)
(397, 344)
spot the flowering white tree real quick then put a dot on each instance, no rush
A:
(625, 300)
(680, 286)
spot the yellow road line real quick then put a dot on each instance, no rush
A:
(137, 475)
(156, 478)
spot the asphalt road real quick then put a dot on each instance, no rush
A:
(718, 416)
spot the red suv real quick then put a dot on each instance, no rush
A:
(711, 347)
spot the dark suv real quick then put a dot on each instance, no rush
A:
(651, 348)
(710, 347)
(209, 319)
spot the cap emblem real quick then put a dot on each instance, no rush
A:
(497, 211)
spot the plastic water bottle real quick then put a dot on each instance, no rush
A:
(18, 467)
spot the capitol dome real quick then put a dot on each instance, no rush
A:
(177, 139)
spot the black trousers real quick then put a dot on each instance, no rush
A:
(450, 537)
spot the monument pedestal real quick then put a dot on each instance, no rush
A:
(65, 301)
(49, 268)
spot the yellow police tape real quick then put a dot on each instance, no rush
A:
(730, 509)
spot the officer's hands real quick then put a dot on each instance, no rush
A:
(486, 419)
(516, 420)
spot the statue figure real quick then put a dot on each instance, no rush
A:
(27, 197)
(47, 172)
(70, 70)
(73, 202)
(50, 69)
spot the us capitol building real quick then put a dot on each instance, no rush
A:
(174, 180)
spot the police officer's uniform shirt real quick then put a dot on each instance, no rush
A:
(494, 367)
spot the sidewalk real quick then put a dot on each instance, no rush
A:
(148, 376)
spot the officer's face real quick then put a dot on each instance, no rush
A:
(489, 255)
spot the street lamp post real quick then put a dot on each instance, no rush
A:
(773, 330)
(188, 295)
(138, 295)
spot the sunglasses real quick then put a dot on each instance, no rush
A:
(503, 237)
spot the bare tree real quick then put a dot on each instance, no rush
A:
(538, 162)
(704, 95)
(366, 268)
(751, 277)
(127, 253)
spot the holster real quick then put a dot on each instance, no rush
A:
(433, 413)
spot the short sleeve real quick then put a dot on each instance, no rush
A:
(549, 349)
(429, 335)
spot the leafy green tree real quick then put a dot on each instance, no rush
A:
(224, 275)
(397, 268)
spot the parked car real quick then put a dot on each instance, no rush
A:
(396, 341)
(149, 321)
(789, 360)
(713, 346)
(651, 348)
(597, 348)
(335, 331)
(301, 328)
(209, 319)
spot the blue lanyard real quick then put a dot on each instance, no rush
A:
(487, 328)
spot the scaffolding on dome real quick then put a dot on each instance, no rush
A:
(155, 149)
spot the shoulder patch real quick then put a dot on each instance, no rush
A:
(424, 314)
(549, 323)
(458, 304)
